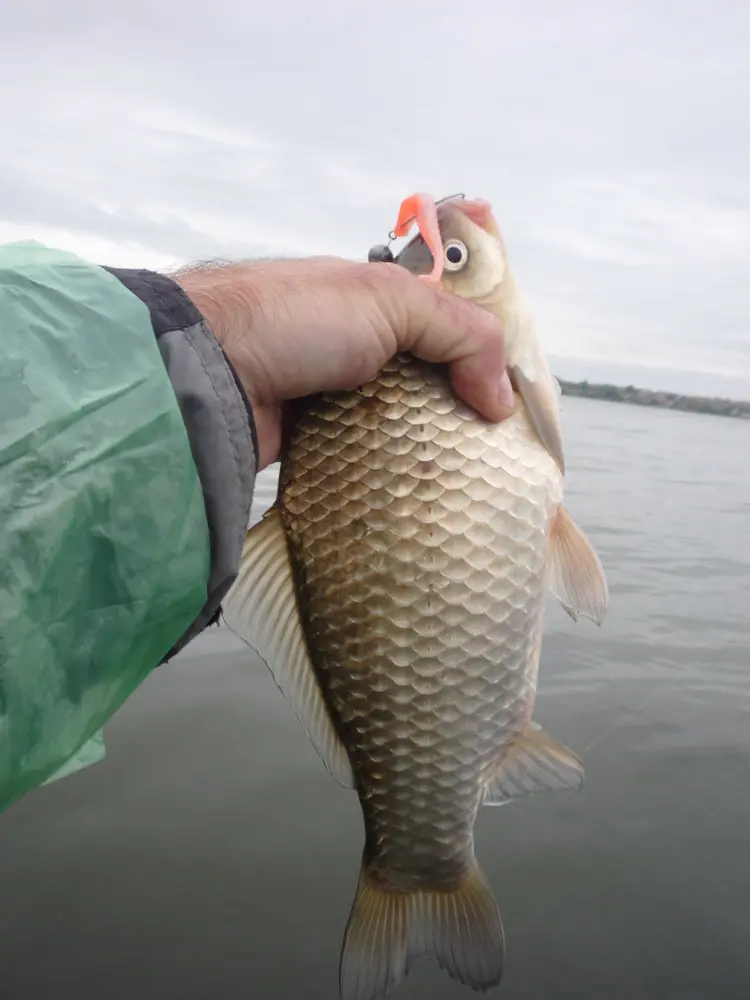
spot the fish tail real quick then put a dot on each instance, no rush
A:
(389, 929)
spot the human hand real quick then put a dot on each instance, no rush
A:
(296, 327)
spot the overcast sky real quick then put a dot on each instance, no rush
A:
(613, 139)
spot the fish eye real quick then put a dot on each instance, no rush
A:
(456, 255)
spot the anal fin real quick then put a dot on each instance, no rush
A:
(535, 763)
(261, 608)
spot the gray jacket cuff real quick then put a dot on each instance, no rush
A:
(219, 423)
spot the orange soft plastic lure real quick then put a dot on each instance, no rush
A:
(422, 209)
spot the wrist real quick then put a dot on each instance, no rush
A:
(227, 298)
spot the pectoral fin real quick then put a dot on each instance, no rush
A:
(576, 576)
(541, 401)
(261, 608)
(536, 763)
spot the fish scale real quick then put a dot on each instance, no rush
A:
(416, 611)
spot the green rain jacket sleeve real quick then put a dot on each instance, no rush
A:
(127, 466)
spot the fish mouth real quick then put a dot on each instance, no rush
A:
(419, 256)
(416, 257)
(423, 255)
(422, 209)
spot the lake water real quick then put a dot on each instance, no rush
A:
(212, 856)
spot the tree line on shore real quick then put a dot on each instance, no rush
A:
(664, 400)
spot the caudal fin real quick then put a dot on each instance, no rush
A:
(388, 930)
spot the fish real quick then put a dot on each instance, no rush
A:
(396, 590)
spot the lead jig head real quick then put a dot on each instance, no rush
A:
(380, 253)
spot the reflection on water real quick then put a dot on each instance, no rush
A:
(212, 855)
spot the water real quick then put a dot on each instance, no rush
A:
(212, 856)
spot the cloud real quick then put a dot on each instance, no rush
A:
(90, 246)
(611, 139)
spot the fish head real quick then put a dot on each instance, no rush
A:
(458, 246)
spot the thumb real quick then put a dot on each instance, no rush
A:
(435, 325)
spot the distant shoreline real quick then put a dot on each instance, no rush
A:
(663, 400)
